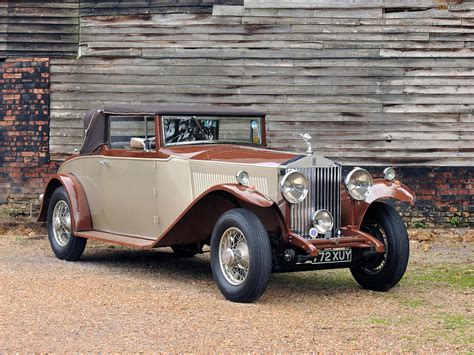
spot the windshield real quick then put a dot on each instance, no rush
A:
(200, 130)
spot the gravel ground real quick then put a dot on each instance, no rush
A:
(121, 300)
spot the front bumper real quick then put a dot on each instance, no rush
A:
(351, 238)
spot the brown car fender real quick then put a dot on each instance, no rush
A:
(81, 216)
(196, 223)
(353, 212)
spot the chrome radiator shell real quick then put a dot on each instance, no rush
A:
(324, 184)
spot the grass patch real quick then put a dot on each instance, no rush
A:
(398, 321)
(457, 328)
(413, 303)
(455, 321)
(380, 321)
(454, 275)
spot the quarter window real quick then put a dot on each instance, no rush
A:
(132, 132)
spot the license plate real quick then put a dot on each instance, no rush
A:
(341, 255)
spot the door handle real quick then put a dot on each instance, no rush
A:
(104, 162)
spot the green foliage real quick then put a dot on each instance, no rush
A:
(420, 225)
(455, 221)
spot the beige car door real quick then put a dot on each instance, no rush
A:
(130, 195)
(129, 177)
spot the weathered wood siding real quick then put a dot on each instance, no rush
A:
(36, 28)
(146, 7)
(379, 82)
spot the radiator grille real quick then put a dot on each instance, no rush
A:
(324, 193)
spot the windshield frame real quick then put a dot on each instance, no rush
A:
(260, 119)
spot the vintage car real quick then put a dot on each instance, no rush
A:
(186, 176)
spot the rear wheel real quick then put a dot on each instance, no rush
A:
(241, 257)
(385, 270)
(65, 245)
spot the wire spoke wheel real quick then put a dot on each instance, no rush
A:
(377, 264)
(234, 256)
(62, 223)
(241, 255)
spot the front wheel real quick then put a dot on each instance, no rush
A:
(385, 270)
(65, 245)
(241, 256)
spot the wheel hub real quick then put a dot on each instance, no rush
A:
(234, 256)
(242, 254)
(228, 257)
(61, 223)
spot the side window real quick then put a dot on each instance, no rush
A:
(132, 132)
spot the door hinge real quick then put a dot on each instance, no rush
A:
(155, 191)
(155, 219)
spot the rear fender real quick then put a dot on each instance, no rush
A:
(353, 212)
(81, 216)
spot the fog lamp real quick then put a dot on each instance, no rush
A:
(389, 173)
(243, 178)
(322, 221)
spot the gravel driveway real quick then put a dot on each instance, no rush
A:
(121, 300)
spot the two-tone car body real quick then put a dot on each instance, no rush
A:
(188, 176)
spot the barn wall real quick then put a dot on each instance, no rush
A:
(381, 82)
(35, 28)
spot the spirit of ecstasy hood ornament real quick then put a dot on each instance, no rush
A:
(307, 139)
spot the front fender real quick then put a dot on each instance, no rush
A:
(243, 193)
(196, 223)
(353, 212)
(81, 216)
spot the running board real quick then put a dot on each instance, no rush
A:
(117, 239)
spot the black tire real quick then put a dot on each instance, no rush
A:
(185, 251)
(259, 256)
(74, 247)
(384, 271)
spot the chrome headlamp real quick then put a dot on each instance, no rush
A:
(359, 183)
(323, 221)
(294, 187)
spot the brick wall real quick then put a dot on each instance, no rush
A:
(24, 131)
(444, 195)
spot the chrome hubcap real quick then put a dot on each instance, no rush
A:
(61, 223)
(234, 256)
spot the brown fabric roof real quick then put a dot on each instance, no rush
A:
(95, 124)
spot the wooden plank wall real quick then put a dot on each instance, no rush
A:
(35, 28)
(145, 7)
(380, 82)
